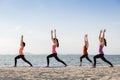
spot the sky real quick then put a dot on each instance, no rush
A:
(71, 18)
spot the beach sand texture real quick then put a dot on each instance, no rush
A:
(60, 73)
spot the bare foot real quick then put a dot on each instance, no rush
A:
(93, 66)
(111, 66)
(46, 66)
(65, 65)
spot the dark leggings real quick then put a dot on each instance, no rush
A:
(56, 57)
(85, 56)
(103, 58)
(23, 58)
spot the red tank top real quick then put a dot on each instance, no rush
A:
(85, 50)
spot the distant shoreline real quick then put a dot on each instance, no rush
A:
(49, 53)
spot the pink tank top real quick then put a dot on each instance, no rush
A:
(54, 49)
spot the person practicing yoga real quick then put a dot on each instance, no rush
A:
(54, 53)
(21, 54)
(103, 43)
(85, 48)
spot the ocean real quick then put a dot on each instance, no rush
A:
(40, 60)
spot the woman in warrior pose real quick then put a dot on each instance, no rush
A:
(85, 48)
(21, 55)
(54, 53)
(103, 43)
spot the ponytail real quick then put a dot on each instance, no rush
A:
(23, 44)
(57, 42)
(105, 42)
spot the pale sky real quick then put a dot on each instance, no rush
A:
(71, 18)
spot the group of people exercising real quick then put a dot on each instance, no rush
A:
(102, 43)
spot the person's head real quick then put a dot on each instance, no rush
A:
(103, 40)
(23, 44)
(55, 40)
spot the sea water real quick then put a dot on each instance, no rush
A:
(41, 61)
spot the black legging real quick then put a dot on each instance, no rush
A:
(23, 58)
(56, 57)
(103, 58)
(85, 56)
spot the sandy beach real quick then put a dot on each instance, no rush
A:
(60, 73)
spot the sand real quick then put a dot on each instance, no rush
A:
(60, 73)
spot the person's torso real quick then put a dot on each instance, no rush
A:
(85, 50)
(54, 49)
(101, 49)
(21, 51)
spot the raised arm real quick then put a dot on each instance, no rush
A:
(104, 33)
(52, 34)
(21, 41)
(86, 37)
(55, 33)
(100, 34)
(86, 40)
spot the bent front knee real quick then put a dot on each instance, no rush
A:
(80, 59)
(94, 57)
(47, 57)
(15, 58)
